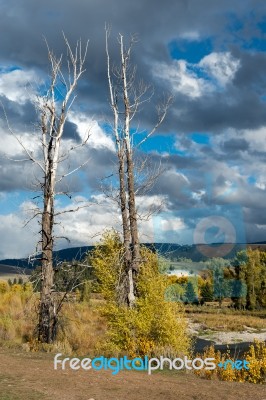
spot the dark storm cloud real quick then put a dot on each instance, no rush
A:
(235, 145)
(16, 175)
(255, 233)
(156, 23)
(21, 117)
(251, 73)
(176, 161)
(102, 164)
(71, 131)
(240, 105)
(255, 216)
(212, 113)
(23, 24)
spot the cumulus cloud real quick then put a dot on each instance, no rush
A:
(221, 66)
(83, 227)
(219, 95)
(87, 126)
(182, 79)
(19, 85)
(213, 72)
(16, 239)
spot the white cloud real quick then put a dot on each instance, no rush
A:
(172, 224)
(83, 227)
(16, 240)
(198, 195)
(145, 202)
(256, 138)
(10, 145)
(221, 66)
(18, 85)
(195, 80)
(261, 185)
(98, 138)
(182, 79)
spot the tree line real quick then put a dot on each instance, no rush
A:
(243, 280)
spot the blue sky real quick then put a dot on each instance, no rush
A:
(190, 50)
(211, 146)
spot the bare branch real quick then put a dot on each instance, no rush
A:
(111, 90)
(72, 210)
(73, 170)
(162, 111)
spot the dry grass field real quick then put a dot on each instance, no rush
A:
(8, 272)
(30, 376)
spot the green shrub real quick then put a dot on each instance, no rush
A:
(153, 323)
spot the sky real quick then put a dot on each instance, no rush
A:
(210, 149)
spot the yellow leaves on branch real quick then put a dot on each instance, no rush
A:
(153, 325)
(255, 356)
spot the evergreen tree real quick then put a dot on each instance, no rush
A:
(238, 293)
(207, 292)
(190, 293)
(20, 281)
(221, 286)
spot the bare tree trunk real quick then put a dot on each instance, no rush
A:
(135, 260)
(131, 97)
(127, 295)
(47, 313)
(52, 125)
(53, 114)
(128, 289)
(123, 205)
(133, 214)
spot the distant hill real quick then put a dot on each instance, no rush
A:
(9, 272)
(72, 253)
(170, 250)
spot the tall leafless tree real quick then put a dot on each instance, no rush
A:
(126, 97)
(53, 118)
(120, 149)
(53, 109)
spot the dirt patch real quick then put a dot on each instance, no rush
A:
(27, 376)
(219, 337)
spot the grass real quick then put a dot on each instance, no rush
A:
(9, 390)
(14, 394)
(8, 272)
(224, 310)
(227, 319)
(80, 328)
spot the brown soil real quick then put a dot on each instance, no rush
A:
(30, 376)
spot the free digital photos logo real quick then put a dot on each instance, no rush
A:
(143, 364)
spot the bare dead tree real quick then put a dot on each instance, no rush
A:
(53, 109)
(53, 118)
(120, 149)
(125, 100)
